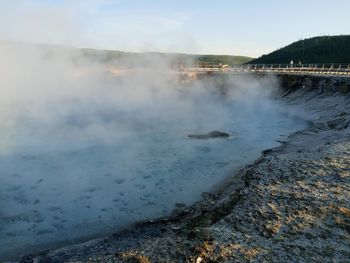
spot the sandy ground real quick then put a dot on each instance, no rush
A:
(291, 205)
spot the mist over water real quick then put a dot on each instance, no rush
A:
(83, 153)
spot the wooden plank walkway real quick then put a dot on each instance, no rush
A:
(302, 69)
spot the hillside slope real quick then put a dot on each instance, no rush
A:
(123, 58)
(115, 56)
(323, 49)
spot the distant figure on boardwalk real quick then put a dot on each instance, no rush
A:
(291, 63)
(299, 63)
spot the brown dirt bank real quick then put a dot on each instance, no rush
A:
(291, 205)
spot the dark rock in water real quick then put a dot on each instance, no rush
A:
(209, 135)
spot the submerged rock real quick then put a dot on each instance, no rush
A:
(209, 135)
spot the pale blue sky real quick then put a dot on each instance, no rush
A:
(250, 27)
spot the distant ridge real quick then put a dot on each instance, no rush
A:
(182, 58)
(121, 57)
(322, 49)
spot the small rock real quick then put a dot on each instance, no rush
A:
(209, 135)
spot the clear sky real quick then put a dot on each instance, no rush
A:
(249, 27)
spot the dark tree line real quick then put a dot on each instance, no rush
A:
(323, 49)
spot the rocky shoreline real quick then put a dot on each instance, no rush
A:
(291, 205)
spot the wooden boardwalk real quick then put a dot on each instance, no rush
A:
(341, 70)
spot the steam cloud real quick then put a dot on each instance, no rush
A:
(77, 99)
(83, 149)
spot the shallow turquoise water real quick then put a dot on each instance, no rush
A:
(61, 182)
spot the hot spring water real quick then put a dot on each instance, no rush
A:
(59, 184)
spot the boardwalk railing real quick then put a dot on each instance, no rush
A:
(303, 69)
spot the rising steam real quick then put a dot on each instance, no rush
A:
(84, 151)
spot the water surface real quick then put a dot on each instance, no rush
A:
(60, 181)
